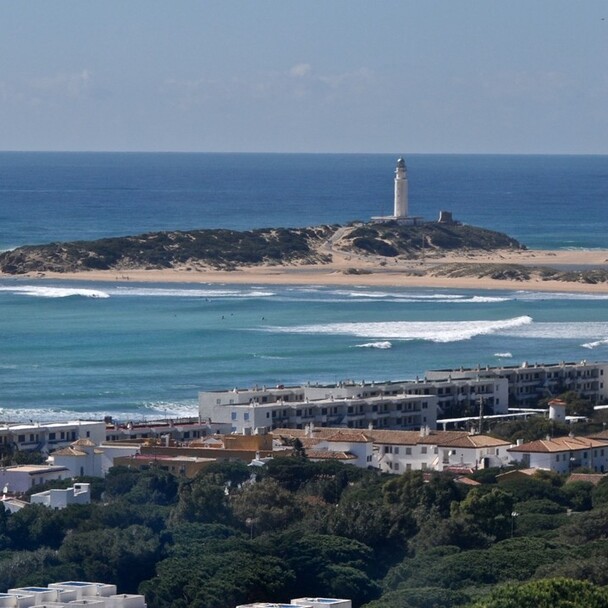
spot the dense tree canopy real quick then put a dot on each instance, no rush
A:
(298, 528)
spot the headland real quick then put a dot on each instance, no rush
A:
(432, 255)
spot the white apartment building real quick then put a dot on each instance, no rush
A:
(563, 454)
(392, 405)
(402, 411)
(46, 437)
(530, 382)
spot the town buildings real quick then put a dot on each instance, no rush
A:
(400, 451)
(71, 594)
(562, 454)
(528, 383)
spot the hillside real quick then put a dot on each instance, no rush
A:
(229, 249)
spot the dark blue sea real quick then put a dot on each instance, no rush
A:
(143, 351)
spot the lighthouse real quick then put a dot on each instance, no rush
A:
(400, 190)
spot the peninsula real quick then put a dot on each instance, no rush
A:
(431, 254)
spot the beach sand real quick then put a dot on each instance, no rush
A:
(348, 269)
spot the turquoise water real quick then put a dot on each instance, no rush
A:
(141, 351)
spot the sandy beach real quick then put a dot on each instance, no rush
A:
(364, 270)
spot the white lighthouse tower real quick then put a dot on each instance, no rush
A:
(401, 193)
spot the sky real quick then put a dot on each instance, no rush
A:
(354, 76)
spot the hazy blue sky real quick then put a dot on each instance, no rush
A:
(516, 76)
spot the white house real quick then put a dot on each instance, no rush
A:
(78, 494)
(85, 458)
(357, 447)
(563, 454)
(20, 478)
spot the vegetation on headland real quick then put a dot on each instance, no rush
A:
(519, 272)
(219, 249)
(230, 249)
(323, 529)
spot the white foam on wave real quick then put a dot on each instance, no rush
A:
(147, 411)
(535, 296)
(439, 331)
(170, 292)
(396, 295)
(503, 355)
(412, 298)
(39, 291)
(595, 344)
(381, 345)
(576, 330)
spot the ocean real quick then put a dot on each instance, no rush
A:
(143, 351)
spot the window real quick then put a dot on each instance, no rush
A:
(51, 436)
(396, 467)
(246, 416)
(233, 416)
(423, 449)
(396, 450)
(298, 412)
(408, 451)
(21, 438)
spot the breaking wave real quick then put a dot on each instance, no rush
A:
(438, 331)
(37, 291)
(382, 345)
(595, 344)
